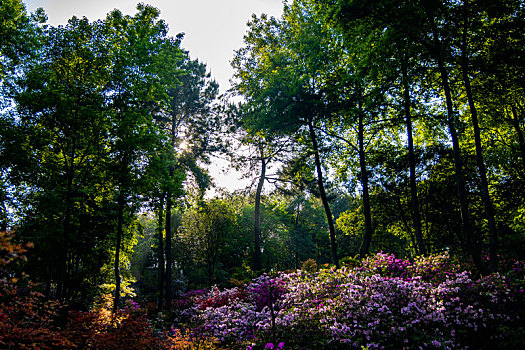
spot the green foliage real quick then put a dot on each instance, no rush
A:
(367, 73)
(205, 235)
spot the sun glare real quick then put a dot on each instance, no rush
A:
(184, 146)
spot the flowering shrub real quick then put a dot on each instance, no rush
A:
(384, 303)
(434, 269)
(263, 287)
(217, 298)
(386, 265)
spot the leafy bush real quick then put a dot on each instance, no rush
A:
(186, 341)
(101, 328)
(309, 265)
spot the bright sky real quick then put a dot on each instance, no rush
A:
(213, 29)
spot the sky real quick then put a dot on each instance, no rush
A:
(213, 29)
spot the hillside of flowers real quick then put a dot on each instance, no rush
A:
(379, 303)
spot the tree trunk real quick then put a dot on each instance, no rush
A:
(416, 216)
(120, 221)
(257, 261)
(367, 239)
(295, 228)
(168, 246)
(160, 272)
(3, 216)
(489, 209)
(468, 233)
(62, 285)
(324, 199)
(452, 121)
(516, 125)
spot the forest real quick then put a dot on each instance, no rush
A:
(383, 146)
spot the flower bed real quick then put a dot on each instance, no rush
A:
(384, 303)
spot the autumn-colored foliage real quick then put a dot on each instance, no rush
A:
(10, 251)
(27, 319)
(101, 328)
(179, 340)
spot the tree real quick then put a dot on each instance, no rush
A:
(432, 33)
(191, 124)
(254, 152)
(279, 72)
(89, 106)
(146, 66)
(62, 111)
(19, 35)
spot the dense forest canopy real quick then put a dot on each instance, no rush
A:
(364, 127)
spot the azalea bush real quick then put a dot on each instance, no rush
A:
(384, 302)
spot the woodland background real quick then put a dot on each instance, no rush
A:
(365, 127)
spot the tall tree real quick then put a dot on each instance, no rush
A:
(469, 22)
(430, 28)
(280, 73)
(146, 66)
(190, 123)
(61, 105)
(253, 152)
(20, 42)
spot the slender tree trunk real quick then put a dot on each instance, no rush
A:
(295, 227)
(120, 221)
(62, 286)
(452, 121)
(517, 128)
(168, 246)
(468, 233)
(169, 194)
(416, 216)
(324, 199)
(367, 239)
(3, 216)
(257, 261)
(160, 272)
(489, 209)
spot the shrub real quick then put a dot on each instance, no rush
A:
(27, 319)
(309, 266)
